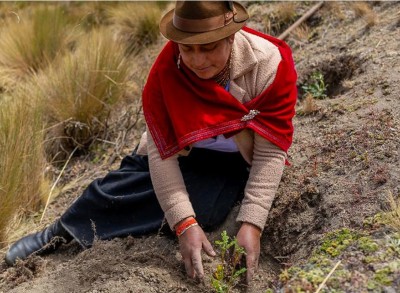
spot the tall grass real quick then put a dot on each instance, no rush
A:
(21, 158)
(29, 42)
(59, 94)
(90, 14)
(136, 24)
(80, 89)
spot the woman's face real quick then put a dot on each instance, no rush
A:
(207, 60)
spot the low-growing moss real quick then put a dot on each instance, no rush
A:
(309, 278)
(321, 260)
(372, 285)
(383, 276)
(369, 262)
(374, 221)
(370, 259)
(394, 244)
(367, 245)
(314, 276)
(337, 241)
(284, 276)
(392, 247)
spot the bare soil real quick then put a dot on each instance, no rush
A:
(344, 163)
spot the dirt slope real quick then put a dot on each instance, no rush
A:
(344, 163)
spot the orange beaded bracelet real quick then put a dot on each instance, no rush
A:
(185, 225)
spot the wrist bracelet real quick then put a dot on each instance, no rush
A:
(187, 228)
(185, 225)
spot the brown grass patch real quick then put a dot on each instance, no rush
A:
(79, 92)
(136, 24)
(30, 41)
(335, 8)
(364, 10)
(280, 17)
(21, 158)
(274, 17)
(392, 218)
(308, 106)
(301, 33)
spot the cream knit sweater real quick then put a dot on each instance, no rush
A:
(254, 65)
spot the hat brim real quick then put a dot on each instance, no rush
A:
(168, 30)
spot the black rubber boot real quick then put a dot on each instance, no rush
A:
(41, 242)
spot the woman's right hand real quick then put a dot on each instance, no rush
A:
(190, 244)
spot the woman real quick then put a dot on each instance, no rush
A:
(218, 104)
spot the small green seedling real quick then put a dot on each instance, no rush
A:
(317, 87)
(229, 270)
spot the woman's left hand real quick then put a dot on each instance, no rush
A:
(249, 237)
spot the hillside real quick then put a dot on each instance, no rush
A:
(331, 204)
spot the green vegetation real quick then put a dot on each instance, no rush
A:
(316, 86)
(377, 261)
(336, 242)
(229, 270)
(367, 245)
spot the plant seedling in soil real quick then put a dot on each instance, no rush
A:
(317, 87)
(229, 271)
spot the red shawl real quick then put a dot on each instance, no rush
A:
(181, 108)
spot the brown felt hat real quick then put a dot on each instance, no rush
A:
(202, 22)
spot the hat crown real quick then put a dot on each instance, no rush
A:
(202, 22)
(201, 9)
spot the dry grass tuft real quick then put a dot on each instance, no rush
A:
(285, 11)
(21, 158)
(302, 32)
(30, 42)
(89, 14)
(79, 91)
(363, 9)
(392, 218)
(136, 24)
(308, 106)
(335, 8)
(282, 15)
(348, 84)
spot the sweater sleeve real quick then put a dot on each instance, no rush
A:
(265, 174)
(168, 185)
(267, 159)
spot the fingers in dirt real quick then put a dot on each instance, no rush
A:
(198, 265)
(189, 267)
(251, 265)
